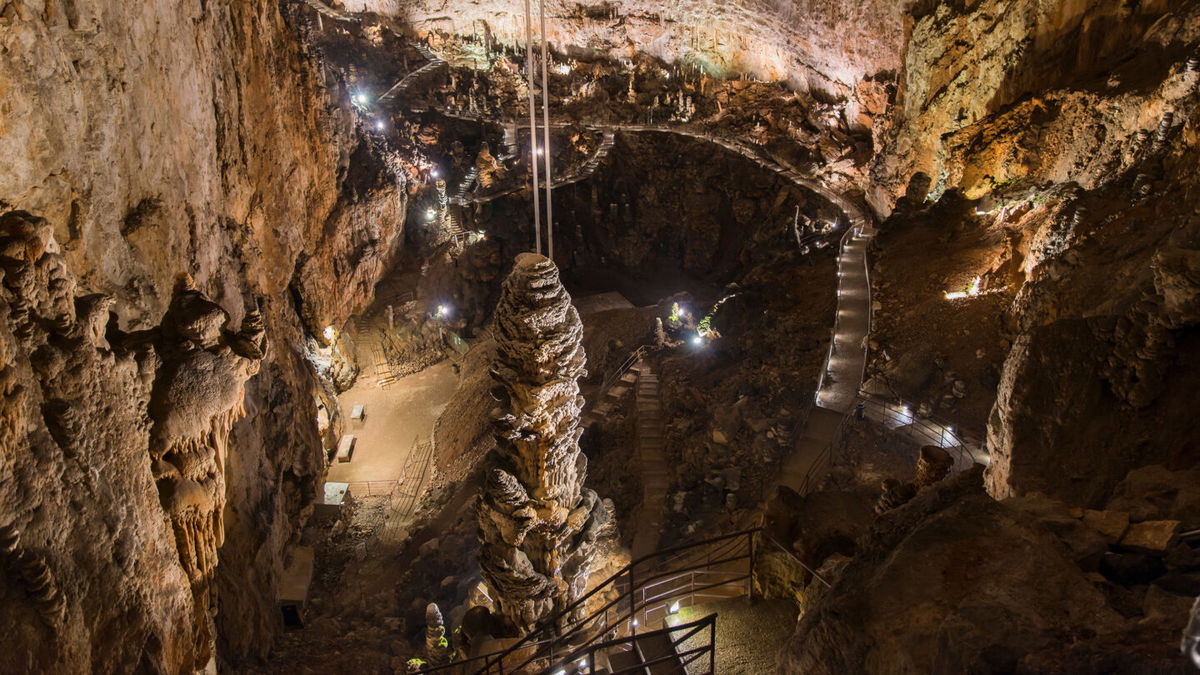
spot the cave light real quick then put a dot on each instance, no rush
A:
(972, 291)
(443, 311)
(562, 69)
(379, 125)
(360, 99)
(430, 214)
(674, 608)
(698, 341)
(435, 173)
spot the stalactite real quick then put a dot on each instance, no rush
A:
(198, 396)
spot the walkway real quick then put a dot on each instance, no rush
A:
(655, 474)
(394, 417)
(406, 82)
(847, 357)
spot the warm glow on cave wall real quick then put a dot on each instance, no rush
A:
(809, 43)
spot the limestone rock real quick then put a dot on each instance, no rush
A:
(1151, 536)
(933, 465)
(539, 525)
(1111, 524)
(1003, 589)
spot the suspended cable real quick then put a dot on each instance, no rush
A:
(533, 139)
(546, 136)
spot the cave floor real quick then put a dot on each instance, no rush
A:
(749, 634)
(395, 417)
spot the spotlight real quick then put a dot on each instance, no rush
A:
(674, 608)
(635, 623)
(379, 125)
(435, 173)
(443, 311)
(430, 214)
(360, 99)
(697, 340)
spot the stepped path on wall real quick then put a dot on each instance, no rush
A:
(650, 437)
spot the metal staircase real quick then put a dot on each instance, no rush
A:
(623, 625)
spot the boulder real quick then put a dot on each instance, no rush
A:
(952, 581)
(1156, 493)
(1110, 524)
(1152, 536)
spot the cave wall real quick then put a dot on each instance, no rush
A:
(156, 139)
(810, 44)
(1073, 125)
(993, 92)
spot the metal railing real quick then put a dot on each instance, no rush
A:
(898, 417)
(629, 362)
(642, 593)
(850, 230)
(926, 430)
(372, 488)
(675, 636)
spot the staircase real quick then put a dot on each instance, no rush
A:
(656, 477)
(406, 83)
(633, 621)
(610, 398)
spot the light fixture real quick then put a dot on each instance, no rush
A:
(443, 311)
(697, 340)
(435, 173)
(430, 214)
(360, 99)
(674, 608)
(379, 125)
(635, 623)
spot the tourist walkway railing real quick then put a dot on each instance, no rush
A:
(679, 656)
(629, 362)
(833, 332)
(641, 595)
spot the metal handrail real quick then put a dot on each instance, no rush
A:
(691, 628)
(793, 556)
(833, 332)
(496, 659)
(624, 368)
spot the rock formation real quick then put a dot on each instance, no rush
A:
(197, 396)
(538, 523)
(437, 647)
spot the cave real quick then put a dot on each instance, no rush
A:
(626, 336)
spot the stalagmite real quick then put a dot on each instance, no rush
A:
(539, 525)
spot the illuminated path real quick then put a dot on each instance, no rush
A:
(847, 357)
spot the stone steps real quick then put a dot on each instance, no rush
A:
(650, 439)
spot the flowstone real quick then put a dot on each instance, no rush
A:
(539, 526)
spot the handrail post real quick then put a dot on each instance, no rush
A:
(632, 605)
(712, 646)
(750, 580)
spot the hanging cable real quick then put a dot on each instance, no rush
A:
(546, 135)
(533, 139)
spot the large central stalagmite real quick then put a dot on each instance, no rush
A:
(538, 523)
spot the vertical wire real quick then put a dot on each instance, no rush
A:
(546, 133)
(533, 139)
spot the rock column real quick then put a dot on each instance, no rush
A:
(539, 525)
